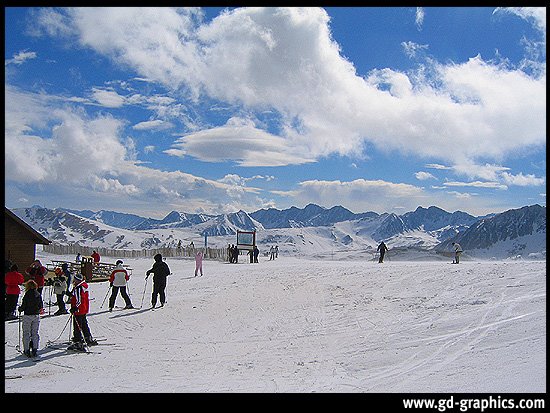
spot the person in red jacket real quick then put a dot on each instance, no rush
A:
(80, 306)
(95, 256)
(37, 272)
(13, 279)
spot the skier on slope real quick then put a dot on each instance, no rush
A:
(198, 262)
(458, 251)
(118, 280)
(59, 289)
(31, 306)
(161, 271)
(382, 248)
(80, 305)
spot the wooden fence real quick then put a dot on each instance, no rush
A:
(219, 254)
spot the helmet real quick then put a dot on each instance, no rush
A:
(58, 271)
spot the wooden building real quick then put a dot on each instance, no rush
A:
(20, 241)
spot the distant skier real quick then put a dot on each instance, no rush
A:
(118, 280)
(236, 254)
(382, 248)
(458, 251)
(256, 253)
(271, 253)
(95, 256)
(198, 262)
(161, 271)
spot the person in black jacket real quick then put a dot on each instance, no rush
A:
(382, 248)
(31, 306)
(161, 271)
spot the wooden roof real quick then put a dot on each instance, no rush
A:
(39, 238)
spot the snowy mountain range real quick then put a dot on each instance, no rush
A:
(312, 230)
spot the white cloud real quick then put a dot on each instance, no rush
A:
(107, 98)
(522, 180)
(536, 15)
(20, 58)
(86, 155)
(437, 166)
(476, 184)
(460, 195)
(422, 176)
(239, 141)
(358, 195)
(413, 49)
(156, 124)
(284, 59)
(488, 172)
(419, 17)
(112, 186)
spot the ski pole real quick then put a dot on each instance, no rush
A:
(50, 302)
(19, 339)
(101, 306)
(144, 288)
(54, 340)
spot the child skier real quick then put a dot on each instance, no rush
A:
(80, 305)
(31, 306)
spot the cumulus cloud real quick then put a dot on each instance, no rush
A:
(107, 98)
(422, 176)
(90, 155)
(285, 59)
(522, 180)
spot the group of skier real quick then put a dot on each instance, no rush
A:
(32, 304)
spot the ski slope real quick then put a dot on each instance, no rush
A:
(305, 325)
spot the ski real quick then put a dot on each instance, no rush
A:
(82, 352)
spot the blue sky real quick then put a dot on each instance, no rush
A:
(213, 110)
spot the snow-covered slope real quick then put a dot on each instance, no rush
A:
(303, 325)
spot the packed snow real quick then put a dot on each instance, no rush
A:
(303, 325)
